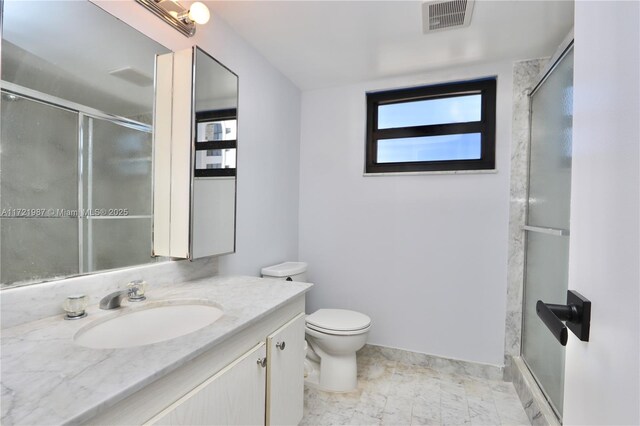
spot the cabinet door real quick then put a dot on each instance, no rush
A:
(285, 373)
(233, 396)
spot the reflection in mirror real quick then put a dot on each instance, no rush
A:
(216, 142)
(214, 185)
(76, 142)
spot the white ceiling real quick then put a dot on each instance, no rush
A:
(330, 43)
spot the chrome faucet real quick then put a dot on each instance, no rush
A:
(134, 292)
(113, 300)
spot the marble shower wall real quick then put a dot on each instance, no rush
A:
(525, 74)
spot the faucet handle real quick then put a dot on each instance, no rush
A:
(136, 290)
(75, 306)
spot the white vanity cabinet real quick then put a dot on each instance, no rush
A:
(227, 385)
(233, 396)
(237, 395)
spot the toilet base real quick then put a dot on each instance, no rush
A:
(312, 379)
(340, 374)
(312, 374)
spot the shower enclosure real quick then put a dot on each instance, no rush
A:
(547, 226)
(75, 188)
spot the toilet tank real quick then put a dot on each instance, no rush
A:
(289, 271)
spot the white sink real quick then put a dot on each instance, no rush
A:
(152, 322)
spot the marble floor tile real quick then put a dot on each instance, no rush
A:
(329, 418)
(398, 392)
(454, 409)
(482, 411)
(426, 409)
(361, 419)
(397, 410)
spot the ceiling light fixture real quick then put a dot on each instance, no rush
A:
(174, 14)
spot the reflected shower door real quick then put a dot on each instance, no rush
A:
(80, 186)
(117, 185)
(39, 184)
(547, 230)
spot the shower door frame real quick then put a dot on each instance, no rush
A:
(563, 50)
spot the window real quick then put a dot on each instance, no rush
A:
(432, 128)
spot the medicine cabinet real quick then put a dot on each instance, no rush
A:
(195, 151)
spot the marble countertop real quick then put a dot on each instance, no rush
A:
(47, 379)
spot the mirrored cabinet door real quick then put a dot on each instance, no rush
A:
(195, 157)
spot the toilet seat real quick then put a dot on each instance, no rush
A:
(337, 332)
(338, 322)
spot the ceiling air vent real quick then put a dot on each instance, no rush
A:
(442, 15)
(134, 76)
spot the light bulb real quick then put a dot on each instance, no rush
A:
(199, 13)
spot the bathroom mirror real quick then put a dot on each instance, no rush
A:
(76, 142)
(195, 157)
(215, 153)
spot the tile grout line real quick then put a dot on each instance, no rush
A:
(466, 398)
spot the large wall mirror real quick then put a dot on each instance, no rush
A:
(76, 142)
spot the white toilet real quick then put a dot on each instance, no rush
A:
(333, 336)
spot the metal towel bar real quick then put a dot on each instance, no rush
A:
(549, 231)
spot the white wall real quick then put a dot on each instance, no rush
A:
(268, 139)
(424, 256)
(602, 383)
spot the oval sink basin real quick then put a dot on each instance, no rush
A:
(148, 324)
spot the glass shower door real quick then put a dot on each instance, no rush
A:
(547, 229)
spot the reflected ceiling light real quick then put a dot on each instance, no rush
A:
(177, 16)
(199, 13)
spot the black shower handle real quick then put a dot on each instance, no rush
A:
(576, 313)
(552, 316)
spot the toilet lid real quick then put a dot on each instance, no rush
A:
(338, 320)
